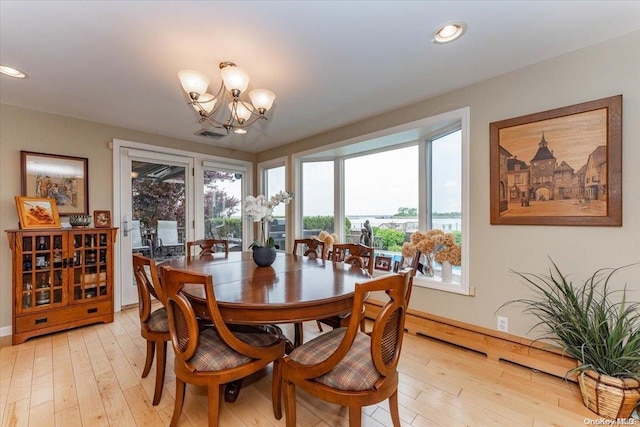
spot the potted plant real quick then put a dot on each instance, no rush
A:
(598, 327)
(260, 210)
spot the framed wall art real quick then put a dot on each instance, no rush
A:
(37, 212)
(63, 178)
(383, 263)
(101, 219)
(559, 167)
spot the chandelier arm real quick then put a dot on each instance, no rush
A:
(219, 98)
(250, 107)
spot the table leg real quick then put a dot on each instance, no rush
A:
(232, 390)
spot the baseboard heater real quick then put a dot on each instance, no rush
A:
(494, 344)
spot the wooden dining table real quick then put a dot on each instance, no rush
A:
(293, 289)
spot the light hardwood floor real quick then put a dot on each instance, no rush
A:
(90, 377)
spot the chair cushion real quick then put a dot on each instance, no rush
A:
(213, 354)
(158, 320)
(355, 372)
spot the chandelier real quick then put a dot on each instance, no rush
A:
(241, 113)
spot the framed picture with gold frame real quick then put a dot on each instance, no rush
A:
(63, 178)
(37, 212)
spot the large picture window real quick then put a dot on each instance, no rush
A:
(398, 184)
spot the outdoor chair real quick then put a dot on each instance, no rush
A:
(138, 244)
(211, 357)
(346, 366)
(167, 238)
(154, 325)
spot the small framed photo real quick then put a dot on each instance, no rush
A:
(37, 212)
(102, 219)
(383, 263)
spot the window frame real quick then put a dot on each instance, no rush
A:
(422, 133)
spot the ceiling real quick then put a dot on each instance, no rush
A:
(330, 63)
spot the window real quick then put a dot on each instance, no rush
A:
(382, 188)
(317, 197)
(409, 179)
(274, 182)
(222, 205)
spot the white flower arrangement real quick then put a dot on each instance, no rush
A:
(259, 209)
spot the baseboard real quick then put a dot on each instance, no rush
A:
(5, 330)
(494, 344)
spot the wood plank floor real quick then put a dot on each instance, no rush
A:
(90, 377)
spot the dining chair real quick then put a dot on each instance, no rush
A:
(355, 254)
(167, 237)
(213, 356)
(154, 325)
(347, 366)
(311, 247)
(207, 246)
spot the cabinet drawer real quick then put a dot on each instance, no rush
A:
(71, 316)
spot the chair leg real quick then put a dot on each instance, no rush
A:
(276, 389)
(393, 407)
(160, 370)
(151, 350)
(177, 407)
(290, 404)
(319, 325)
(355, 416)
(297, 340)
(213, 398)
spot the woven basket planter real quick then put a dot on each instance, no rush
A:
(608, 396)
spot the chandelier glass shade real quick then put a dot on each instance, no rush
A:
(241, 113)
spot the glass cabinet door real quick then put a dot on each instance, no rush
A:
(42, 271)
(89, 264)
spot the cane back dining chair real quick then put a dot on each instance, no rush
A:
(207, 246)
(213, 356)
(346, 366)
(351, 253)
(312, 248)
(154, 325)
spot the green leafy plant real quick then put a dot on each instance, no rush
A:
(591, 322)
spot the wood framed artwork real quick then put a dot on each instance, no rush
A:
(383, 263)
(63, 178)
(101, 219)
(559, 167)
(37, 212)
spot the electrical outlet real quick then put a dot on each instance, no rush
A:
(503, 324)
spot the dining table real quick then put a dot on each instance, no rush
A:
(293, 289)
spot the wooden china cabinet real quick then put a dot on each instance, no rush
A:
(62, 278)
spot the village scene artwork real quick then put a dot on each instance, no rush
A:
(555, 167)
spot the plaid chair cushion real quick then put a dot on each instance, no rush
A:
(214, 355)
(353, 373)
(158, 320)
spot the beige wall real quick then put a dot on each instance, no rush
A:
(29, 130)
(600, 71)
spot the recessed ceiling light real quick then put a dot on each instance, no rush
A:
(448, 32)
(12, 72)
